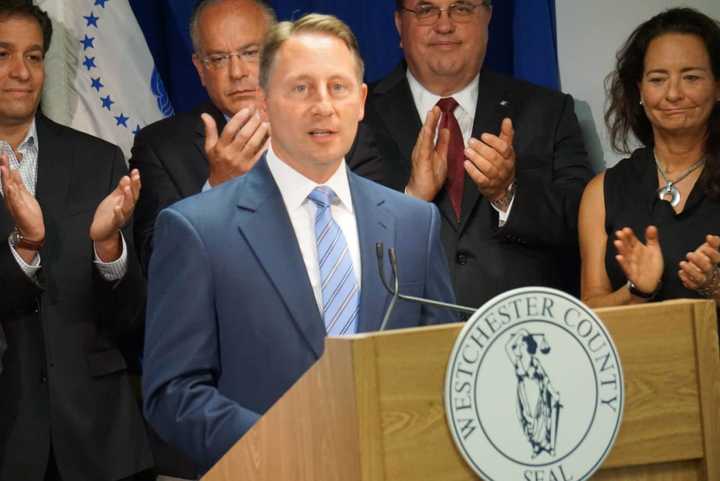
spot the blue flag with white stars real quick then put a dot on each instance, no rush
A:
(100, 75)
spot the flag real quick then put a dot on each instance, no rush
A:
(535, 39)
(165, 25)
(100, 76)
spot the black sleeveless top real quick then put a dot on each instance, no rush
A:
(631, 201)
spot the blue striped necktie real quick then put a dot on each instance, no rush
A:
(340, 290)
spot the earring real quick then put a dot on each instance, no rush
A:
(641, 102)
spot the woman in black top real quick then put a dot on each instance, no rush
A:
(647, 225)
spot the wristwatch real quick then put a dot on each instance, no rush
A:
(634, 291)
(504, 202)
(18, 240)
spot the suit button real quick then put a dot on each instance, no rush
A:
(461, 258)
(43, 380)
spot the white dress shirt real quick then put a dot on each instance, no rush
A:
(464, 113)
(295, 188)
(29, 148)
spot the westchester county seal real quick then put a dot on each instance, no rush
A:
(534, 388)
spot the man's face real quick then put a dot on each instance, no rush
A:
(313, 104)
(21, 69)
(447, 54)
(230, 27)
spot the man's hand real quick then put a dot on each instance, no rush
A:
(112, 214)
(429, 160)
(491, 162)
(22, 206)
(239, 146)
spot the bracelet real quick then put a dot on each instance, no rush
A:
(634, 291)
(712, 287)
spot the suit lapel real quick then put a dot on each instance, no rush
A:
(401, 118)
(55, 166)
(264, 223)
(399, 112)
(375, 224)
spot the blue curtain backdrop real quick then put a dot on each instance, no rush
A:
(522, 39)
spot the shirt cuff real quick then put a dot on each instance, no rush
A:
(115, 270)
(31, 269)
(503, 216)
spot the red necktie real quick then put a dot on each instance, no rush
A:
(455, 155)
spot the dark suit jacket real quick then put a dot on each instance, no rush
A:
(538, 244)
(64, 380)
(170, 157)
(232, 321)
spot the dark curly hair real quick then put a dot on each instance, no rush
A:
(625, 114)
(21, 8)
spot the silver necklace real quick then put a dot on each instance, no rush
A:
(669, 189)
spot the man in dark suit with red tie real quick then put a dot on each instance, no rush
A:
(503, 159)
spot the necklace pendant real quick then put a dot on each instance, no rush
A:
(669, 193)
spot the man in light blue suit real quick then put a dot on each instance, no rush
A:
(247, 279)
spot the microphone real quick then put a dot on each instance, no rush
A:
(395, 291)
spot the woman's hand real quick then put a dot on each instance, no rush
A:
(700, 269)
(642, 263)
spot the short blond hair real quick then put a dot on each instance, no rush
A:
(310, 23)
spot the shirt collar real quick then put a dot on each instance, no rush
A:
(28, 144)
(30, 139)
(295, 187)
(426, 100)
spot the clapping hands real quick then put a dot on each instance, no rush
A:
(112, 214)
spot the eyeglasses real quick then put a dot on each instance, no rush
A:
(220, 60)
(463, 12)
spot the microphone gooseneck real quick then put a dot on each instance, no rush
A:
(379, 248)
(395, 290)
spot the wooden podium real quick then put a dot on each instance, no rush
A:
(371, 409)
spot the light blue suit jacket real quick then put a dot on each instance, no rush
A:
(232, 321)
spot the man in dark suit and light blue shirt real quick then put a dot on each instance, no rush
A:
(70, 285)
(247, 279)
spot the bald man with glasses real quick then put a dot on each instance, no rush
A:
(503, 159)
(220, 139)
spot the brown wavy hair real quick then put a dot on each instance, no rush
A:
(625, 115)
